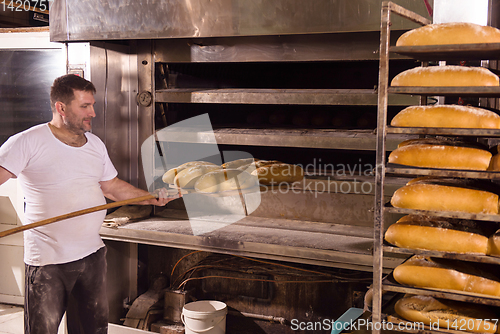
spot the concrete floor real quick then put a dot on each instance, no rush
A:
(12, 322)
(11, 319)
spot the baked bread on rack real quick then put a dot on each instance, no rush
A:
(446, 76)
(446, 194)
(438, 273)
(440, 234)
(447, 116)
(447, 314)
(436, 153)
(449, 33)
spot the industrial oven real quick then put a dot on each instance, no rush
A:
(280, 80)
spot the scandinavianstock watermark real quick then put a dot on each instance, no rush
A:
(326, 178)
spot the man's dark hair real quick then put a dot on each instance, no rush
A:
(63, 88)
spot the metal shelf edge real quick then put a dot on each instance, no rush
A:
(306, 138)
(328, 258)
(447, 294)
(367, 97)
(450, 214)
(446, 255)
(482, 51)
(444, 131)
(416, 171)
(446, 91)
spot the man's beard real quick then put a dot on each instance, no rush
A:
(76, 127)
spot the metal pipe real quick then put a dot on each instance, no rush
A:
(269, 318)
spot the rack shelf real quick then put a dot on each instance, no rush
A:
(449, 52)
(389, 284)
(445, 255)
(449, 214)
(445, 131)
(355, 183)
(360, 97)
(448, 91)
(308, 242)
(425, 53)
(416, 171)
(304, 138)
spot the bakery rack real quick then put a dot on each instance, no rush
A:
(424, 54)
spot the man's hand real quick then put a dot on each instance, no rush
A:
(117, 190)
(164, 196)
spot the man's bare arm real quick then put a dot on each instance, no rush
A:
(117, 190)
(5, 175)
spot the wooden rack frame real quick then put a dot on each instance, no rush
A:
(423, 53)
(387, 9)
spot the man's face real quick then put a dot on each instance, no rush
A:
(79, 113)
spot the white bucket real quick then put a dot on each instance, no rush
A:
(204, 316)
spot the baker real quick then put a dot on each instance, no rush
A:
(62, 168)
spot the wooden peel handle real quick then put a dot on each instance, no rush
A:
(75, 214)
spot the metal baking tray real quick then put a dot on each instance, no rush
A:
(446, 255)
(482, 51)
(449, 214)
(420, 171)
(474, 91)
(444, 131)
(390, 284)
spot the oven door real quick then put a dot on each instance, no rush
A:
(29, 63)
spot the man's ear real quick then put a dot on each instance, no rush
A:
(60, 108)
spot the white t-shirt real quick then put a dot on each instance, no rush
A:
(57, 179)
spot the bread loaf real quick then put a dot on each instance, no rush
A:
(279, 173)
(439, 141)
(449, 33)
(447, 314)
(440, 154)
(187, 177)
(238, 163)
(247, 168)
(425, 272)
(429, 194)
(494, 244)
(169, 175)
(225, 180)
(257, 164)
(495, 163)
(446, 116)
(262, 163)
(434, 179)
(438, 234)
(445, 76)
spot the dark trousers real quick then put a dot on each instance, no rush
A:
(77, 288)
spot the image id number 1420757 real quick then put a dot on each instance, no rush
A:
(25, 5)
